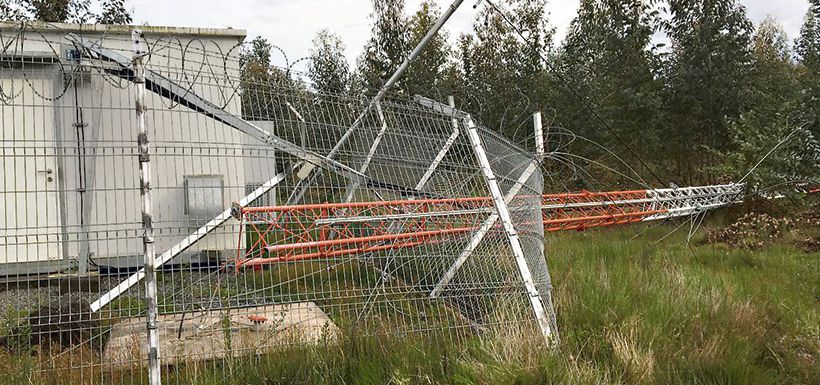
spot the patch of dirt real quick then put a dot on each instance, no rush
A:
(65, 325)
(755, 230)
(751, 231)
(810, 245)
(812, 216)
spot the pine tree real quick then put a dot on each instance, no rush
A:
(608, 59)
(255, 73)
(502, 71)
(453, 77)
(266, 90)
(773, 85)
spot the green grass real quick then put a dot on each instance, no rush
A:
(640, 312)
(631, 311)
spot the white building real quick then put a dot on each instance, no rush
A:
(69, 192)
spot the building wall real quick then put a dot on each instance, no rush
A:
(85, 131)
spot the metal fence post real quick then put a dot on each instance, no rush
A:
(147, 220)
(512, 235)
(539, 135)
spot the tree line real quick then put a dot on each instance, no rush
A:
(702, 105)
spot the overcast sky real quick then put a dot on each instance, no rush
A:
(292, 24)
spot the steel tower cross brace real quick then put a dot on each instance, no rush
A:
(442, 152)
(488, 223)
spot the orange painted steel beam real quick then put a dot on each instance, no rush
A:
(317, 255)
(639, 215)
(367, 239)
(300, 232)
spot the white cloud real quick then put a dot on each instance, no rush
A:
(292, 24)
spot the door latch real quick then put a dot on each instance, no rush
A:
(48, 172)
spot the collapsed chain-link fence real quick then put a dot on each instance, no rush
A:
(281, 216)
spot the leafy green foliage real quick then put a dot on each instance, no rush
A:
(772, 113)
(808, 53)
(114, 12)
(607, 58)
(426, 72)
(705, 109)
(328, 69)
(754, 134)
(387, 47)
(66, 11)
(262, 83)
(503, 75)
(705, 81)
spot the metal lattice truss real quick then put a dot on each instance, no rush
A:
(366, 227)
(578, 211)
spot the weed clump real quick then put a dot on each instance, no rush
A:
(754, 231)
(63, 325)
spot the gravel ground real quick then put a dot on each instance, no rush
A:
(185, 290)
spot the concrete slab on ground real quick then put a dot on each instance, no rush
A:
(203, 335)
